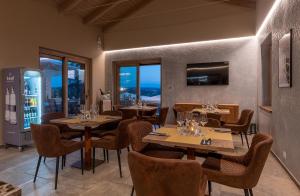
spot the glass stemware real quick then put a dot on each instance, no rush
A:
(203, 119)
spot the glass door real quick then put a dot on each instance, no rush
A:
(52, 84)
(140, 81)
(128, 85)
(150, 84)
(76, 87)
(32, 98)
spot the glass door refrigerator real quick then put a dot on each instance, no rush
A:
(22, 104)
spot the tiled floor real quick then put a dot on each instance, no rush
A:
(18, 169)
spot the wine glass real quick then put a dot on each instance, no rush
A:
(82, 111)
(203, 119)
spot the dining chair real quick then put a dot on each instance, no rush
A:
(242, 125)
(139, 129)
(48, 143)
(213, 123)
(113, 140)
(214, 116)
(98, 131)
(242, 171)
(164, 177)
(65, 132)
(158, 120)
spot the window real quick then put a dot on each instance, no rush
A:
(66, 81)
(138, 80)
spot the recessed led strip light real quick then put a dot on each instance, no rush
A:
(267, 18)
(183, 44)
(269, 15)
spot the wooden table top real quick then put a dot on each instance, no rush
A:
(221, 141)
(78, 123)
(216, 111)
(141, 108)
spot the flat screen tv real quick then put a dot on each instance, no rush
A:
(213, 73)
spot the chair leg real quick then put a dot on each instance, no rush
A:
(56, 172)
(37, 168)
(242, 139)
(104, 155)
(247, 140)
(81, 159)
(119, 161)
(246, 191)
(128, 149)
(209, 188)
(62, 162)
(132, 191)
(94, 159)
(44, 159)
(107, 157)
(250, 191)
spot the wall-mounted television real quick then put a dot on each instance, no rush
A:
(212, 73)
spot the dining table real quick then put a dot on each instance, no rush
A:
(86, 126)
(221, 139)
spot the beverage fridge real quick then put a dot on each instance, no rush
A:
(22, 104)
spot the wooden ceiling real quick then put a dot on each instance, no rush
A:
(106, 13)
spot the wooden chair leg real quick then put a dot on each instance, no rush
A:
(246, 192)
(56, 172)
(128, 149)
(94, 159)
(132, 191)
(81, 159)
(242, 139)
(209, 188)
(37, 168)
(44, 159)
(247, 140)
(119, 161)
(250, 191)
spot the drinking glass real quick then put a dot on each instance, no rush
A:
(203, 119)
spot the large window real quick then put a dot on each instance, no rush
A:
(65, 81)
(138, 80)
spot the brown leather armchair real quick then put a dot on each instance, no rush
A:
(49, 144)
(242, 125)
(113, 140)
(164, 177)
(239, 171)
(158, 120)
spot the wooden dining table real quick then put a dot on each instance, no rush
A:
(221, 140)
(86, 126)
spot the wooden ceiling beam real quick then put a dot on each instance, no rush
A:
(68, 5)
(100, 12)
(126, 14)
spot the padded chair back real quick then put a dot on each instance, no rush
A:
(213, 123)
(163, 115)
(164, 177)
(214, 116)
(256, 157)
(136, 131)
(122, 136)
(112, 113)
(47, 140)
(246, 117)
(50, 116)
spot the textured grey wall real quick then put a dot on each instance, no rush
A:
(285, 101)
(242, 55)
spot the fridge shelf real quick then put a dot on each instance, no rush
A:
(30, 95)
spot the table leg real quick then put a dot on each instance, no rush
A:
(87, 148)
(191, 154)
